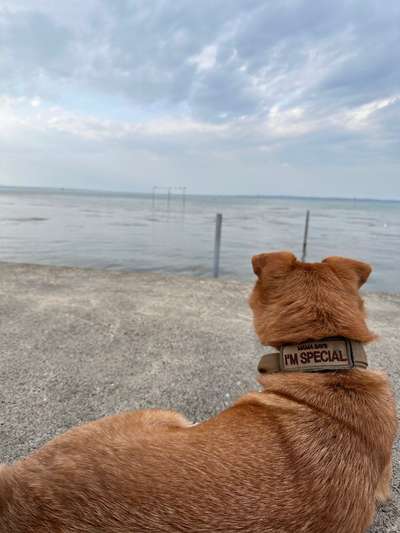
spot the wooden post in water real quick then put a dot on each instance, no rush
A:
(217, 245)
(303, 256)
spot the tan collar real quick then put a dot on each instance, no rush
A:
(331, 353)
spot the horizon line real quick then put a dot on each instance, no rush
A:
(239, 195)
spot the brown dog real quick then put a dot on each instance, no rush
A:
(310, 453)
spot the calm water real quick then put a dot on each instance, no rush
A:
(126, 232)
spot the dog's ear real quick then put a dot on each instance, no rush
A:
(272, 263)
(349, 269)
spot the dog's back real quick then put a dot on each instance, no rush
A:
(285, 460)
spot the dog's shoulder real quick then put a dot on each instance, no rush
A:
(268, 400)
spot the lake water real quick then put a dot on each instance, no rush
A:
(137, 233)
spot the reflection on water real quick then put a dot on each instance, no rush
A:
(137, 232)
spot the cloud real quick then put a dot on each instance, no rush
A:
(290, 85)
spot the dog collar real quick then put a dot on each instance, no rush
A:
(331, 353)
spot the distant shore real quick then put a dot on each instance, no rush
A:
(40, 188)
(78, 344)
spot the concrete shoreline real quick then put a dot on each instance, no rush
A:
(78, 344)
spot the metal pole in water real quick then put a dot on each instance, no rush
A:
(183, 197)
(303, 257)
(217, 245)
(169, 196)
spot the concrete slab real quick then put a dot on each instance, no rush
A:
(77, 344)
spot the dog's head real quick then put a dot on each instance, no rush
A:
(294, 301)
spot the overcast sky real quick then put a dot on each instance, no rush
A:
(220, 96)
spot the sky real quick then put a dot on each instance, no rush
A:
(296, 97)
